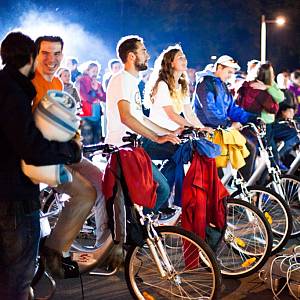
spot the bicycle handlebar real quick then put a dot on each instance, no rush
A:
(191, 132)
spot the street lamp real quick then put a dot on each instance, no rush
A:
(263, 39)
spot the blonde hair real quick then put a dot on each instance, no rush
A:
(163, 71)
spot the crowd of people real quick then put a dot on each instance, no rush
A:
(257, 82)
(154, 103)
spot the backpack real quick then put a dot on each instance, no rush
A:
(123, 219)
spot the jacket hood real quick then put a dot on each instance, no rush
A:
(201, 74)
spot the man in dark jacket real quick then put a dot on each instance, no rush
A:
(21, 140)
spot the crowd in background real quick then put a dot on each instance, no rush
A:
(88, 86)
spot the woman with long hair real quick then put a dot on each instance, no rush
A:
(167, 96)
(167, 91)
(263, 96)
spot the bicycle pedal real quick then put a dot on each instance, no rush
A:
(249, 262)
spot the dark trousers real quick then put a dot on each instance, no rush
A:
(283, 132)
(19, 240)
(248, 169)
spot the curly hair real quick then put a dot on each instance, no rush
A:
(163, 71)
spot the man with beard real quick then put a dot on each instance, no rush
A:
(124, 106)
(21, 140)
(85, 187)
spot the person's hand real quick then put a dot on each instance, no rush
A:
(258, 85)
(236, 125)
(168, 138)
(77, 139)
(178, 131)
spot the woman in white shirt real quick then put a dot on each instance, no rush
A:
(167, 91)
(167, 95)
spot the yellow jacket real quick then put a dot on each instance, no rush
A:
(233, 145)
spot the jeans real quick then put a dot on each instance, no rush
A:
(19, 240)
(162, 152)
(166, 177)
(163, 189)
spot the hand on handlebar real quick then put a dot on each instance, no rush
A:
(236, 125)
(168, 138)
(178, 131)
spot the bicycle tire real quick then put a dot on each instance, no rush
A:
(137, 276)
(290, 190)
(239, 254)
(277, 212)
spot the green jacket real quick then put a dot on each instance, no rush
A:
(278, 97)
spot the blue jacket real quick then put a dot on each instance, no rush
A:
(214, 105)
(184, 154)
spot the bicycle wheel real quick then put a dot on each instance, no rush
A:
(51, 204)
(202, 281)
(289, 190)
(247, 242)
(274, 208)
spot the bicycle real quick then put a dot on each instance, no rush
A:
(286, 186)
(273, 207)
(241, 252)
(168, 249)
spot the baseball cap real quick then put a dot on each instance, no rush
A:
(228, 61)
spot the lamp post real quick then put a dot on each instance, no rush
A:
(263, 38)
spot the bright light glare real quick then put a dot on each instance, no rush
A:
(78, 42)
(213, 57)
(280, 21)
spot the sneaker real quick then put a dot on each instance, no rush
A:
(70, 267)
(166, 213)
(169, 216)
(59, 267)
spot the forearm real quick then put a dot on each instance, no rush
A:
(155, 127)
(192, 118)
(180, 120)
(138, 127)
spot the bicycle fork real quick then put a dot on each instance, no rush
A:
(158, 252)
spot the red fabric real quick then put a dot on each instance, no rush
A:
(202, 201)
(254, 100)
(137, 170)
(89, 95)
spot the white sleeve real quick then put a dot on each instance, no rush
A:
(162, 97)
(122, 90)
(186, 100)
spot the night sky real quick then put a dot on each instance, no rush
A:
(204, 28)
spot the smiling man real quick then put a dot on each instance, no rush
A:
(84, 189)
(48, 61)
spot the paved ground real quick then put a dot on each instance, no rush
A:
(114, 288)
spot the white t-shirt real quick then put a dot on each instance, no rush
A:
(162, 99)
(122, 86)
